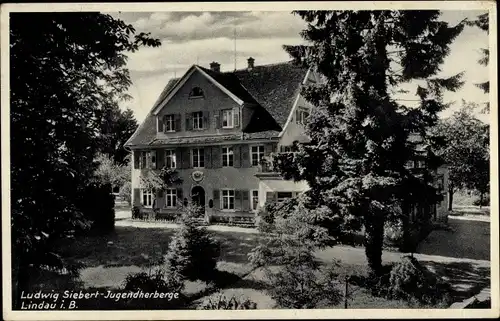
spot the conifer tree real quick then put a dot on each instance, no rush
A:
(359, 132)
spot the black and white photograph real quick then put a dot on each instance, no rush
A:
(323, 159)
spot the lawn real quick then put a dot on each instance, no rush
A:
(108, 259)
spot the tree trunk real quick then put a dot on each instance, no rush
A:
(374, 241)
(450, 199)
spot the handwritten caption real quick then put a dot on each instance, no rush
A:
(69, 300)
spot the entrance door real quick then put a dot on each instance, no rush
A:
(198, 198)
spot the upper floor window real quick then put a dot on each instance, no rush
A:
(147, 159)
(227, 156)
(256, 153)
(169, 123)
(230, 118)
(196, 92)
(198, 157)
(170, 159)
(302, 116)
(197, 120)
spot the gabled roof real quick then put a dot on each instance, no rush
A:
(274, 87)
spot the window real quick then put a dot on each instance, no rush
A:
(257, 153)
(302, 117)
(227, 156)
(196, 92)
(410, 164)
(147, 159)
(170, 161)
(281, 196)
(230, 118)
(198, 157)
(147, 198)
(169, 123)
(420, 163)
(254, 199)
(227, 199)
(170, 197)
(198, 120)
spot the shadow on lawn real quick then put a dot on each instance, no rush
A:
(466, 279)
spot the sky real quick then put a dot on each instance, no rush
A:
(202, 37)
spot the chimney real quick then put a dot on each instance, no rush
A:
(250, 63)
(215, 66)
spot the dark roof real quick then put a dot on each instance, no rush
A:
(274, 87)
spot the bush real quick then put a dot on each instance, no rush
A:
(193, 252)
(413, 282)
(97, 204)
(271, 211)
(221, 302)
(136, 212)
(126, 192)
(150, 282)
(393, 233)
(484, 202)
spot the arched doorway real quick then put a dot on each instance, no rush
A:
(198, 198)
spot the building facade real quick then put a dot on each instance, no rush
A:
(215, 129)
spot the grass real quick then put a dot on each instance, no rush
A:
(132, 249)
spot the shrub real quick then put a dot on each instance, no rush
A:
(484, 202)
(136, 212)
(126, 192)
(97, 203)
(221, 302)
(193, 252)
(393, 233)
(413, 282)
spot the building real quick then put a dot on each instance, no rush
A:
(216, 129)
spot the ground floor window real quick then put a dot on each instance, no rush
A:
(170, 197)
(281, 196)
(227, 199)
(254, 199)
(147, 198)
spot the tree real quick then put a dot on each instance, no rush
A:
(355, 161)
(466, 151)
(108, 172)
(483, 23)
(66, 69)
(116, 128)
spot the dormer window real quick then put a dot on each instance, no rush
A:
(196, 92)
(301, 116)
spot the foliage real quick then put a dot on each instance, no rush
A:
(152, 281)
(136, 212)
(359, 133)
(126, 192)
(409, 280)
(394, 232)
(66, 70)
(109, 172)
(193, 252)
(221, 302)
(271, 211)
(466, 151)
(482, 201)
(155, 181)
(97, 204)
(483, 23)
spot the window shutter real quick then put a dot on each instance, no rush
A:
(152, 159)
(236, 156)
(186, 159)
(216, 156)
(270, 197)
(159, 120)
(188, 122)
(245, 204)
(216, 199)
(178, 157)
(137, 197)
(206, 118)
(178, 124)
(208, 157)
(160, 193)
(160, 158)
(297, 119)
(221, 118)
(268, 149)
(137, 156)
(179, 194)
(216, 120)
(236, 117)
(245, 155)
(164, 123)
(238, 199)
